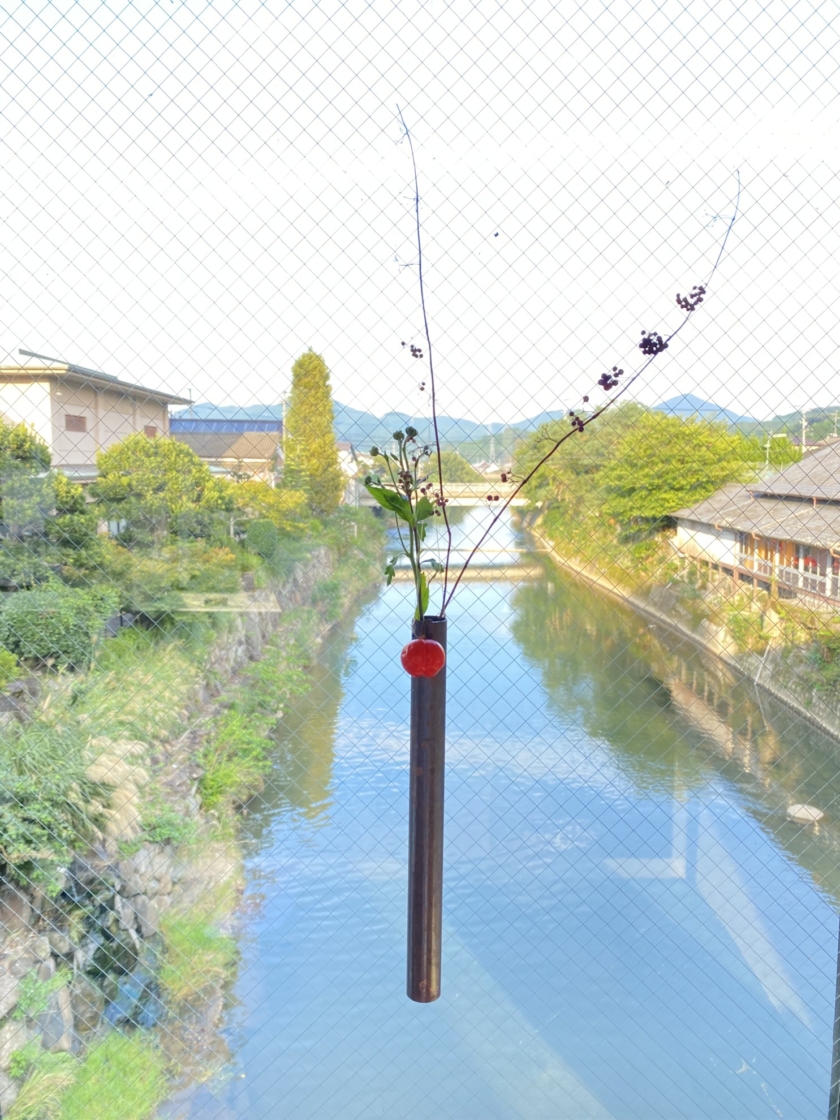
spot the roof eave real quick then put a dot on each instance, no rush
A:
(88, 377)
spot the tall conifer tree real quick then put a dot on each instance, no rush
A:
(311, 456)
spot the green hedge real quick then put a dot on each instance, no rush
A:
(8, 666)
(262, 537)
(55, 624)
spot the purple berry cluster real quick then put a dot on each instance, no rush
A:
(609, 380)
(652, 344)
(693, 300)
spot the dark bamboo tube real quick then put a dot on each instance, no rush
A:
(425, 823)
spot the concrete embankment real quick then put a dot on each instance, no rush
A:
(769, 672)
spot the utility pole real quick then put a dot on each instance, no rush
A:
(804, 430)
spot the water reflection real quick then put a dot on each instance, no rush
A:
(709, 724)
(632, 927)
(302, 780)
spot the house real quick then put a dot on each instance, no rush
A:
(241, 448)
(78, 412)
(348, 460)
(236, 454)
(783, 532)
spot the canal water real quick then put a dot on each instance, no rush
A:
(633, 927)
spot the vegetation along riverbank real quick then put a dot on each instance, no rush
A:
(142, 670)
(606, 511)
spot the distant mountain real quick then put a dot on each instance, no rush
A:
(688, 406)
(828, 414)
(206, 411)
(363, 429)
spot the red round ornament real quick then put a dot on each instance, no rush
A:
(423, 657)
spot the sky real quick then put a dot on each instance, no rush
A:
(192, 194)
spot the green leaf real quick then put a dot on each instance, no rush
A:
(423, 588)
(423, 509)
(390, 500)
(435, 565)
(390, 572)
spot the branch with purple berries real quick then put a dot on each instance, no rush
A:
(410, 485)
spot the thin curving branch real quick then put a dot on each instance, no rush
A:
(432, 383)
(652, 345)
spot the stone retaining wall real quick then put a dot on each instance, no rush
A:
(74, 966)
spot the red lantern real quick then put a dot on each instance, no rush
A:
(423, 657)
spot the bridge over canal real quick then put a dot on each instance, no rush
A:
(462, 494)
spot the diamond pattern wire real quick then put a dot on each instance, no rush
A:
(204, 727)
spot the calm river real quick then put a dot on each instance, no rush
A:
(633, 928)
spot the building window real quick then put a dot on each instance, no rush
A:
(75, 423)
(150, 430)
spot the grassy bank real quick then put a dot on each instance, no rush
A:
(154, 748)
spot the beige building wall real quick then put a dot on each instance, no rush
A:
(28, 403)
(705, 542)
(107, 418)
(75, 419)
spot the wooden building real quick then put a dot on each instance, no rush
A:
(782, 533)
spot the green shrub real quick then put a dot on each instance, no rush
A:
(262, 537)
(41, 1095)
(287, 509)
(57, 624)
(235, 760)
(268, 684)
(8, 666)
(21, 567)
(162, 824)
(35, 994)
(152, 581)
(328, 595)
(824, 656)
(47, 805)
(121, 1078)
(195, 954)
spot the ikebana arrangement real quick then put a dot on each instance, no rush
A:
(408, 483)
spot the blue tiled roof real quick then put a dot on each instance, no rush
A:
(180, 424)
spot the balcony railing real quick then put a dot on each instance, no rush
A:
(804, 580)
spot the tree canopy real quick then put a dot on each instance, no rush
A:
(287, 509)
(636, 467)
(22, 449)
(455, 468)
(46, 519)
(662, 464)
(572, 474)
(158, 485)
(311, 457)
